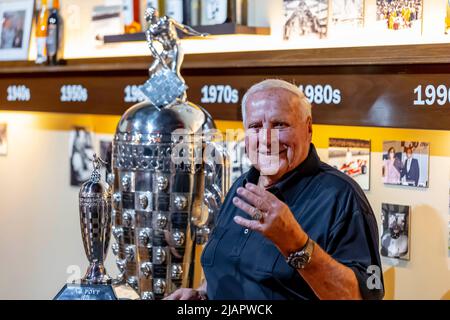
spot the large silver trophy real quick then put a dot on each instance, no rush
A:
(95, 224)
(170, 176)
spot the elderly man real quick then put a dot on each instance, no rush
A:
(292, 227)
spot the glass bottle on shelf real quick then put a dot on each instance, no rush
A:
(41, 33)
(242, 12)
(188, 14)
(174, 9)
(131, 16)
(218, 11)
(54, 35)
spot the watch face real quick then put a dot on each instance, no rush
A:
(299, 261)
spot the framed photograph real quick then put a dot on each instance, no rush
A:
(81, 155)
(395, 239)
(3, 139)
(447, 16)
(406, 163)
(16, 17)
(352, 157)
(305, 18)
(106, 155)
(400, 16)
(106, 20)
(347, 14)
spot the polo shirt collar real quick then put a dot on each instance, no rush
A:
(308, 167)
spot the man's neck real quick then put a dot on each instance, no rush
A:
(267, 181)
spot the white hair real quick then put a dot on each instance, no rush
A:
(304, 105)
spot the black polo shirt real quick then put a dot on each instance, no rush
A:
(331, 208)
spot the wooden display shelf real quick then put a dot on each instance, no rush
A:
(218, 29)
(364, 86)
(400, 56)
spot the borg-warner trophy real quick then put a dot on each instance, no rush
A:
(170, 176)
(95, 223)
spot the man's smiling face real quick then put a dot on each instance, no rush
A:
(278, 133)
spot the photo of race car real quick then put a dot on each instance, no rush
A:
(352, 157)
(354, 168)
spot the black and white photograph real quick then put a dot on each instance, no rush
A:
(81, 155)
(15, 28)
(347, 14)
(3, 139)
(352, 157)
(305, 18)
(396, 234)
(400, 16)
(406, 163)
(106, 156)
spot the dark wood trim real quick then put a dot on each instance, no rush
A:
(371, 89)
(432, 54)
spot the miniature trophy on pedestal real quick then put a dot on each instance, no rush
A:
(95, 223)
(170, 177)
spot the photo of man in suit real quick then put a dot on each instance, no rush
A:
(410, 168)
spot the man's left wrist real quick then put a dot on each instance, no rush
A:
(301, 258)
(298, 242)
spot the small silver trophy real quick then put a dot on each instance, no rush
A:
(95, 223)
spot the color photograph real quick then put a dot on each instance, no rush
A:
(352, 157)
(395, 219)
(400, 15)
(305, 18)
(15, 28)
(406, 163)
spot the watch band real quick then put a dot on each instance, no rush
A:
(301, 258)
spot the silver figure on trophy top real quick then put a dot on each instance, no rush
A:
(166, 83)
(170, 176)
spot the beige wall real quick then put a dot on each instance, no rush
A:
(39, 228)
(39, 222)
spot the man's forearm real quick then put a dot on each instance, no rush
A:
(330, 279)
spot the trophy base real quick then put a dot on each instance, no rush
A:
(72, 291)
(80, 291)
